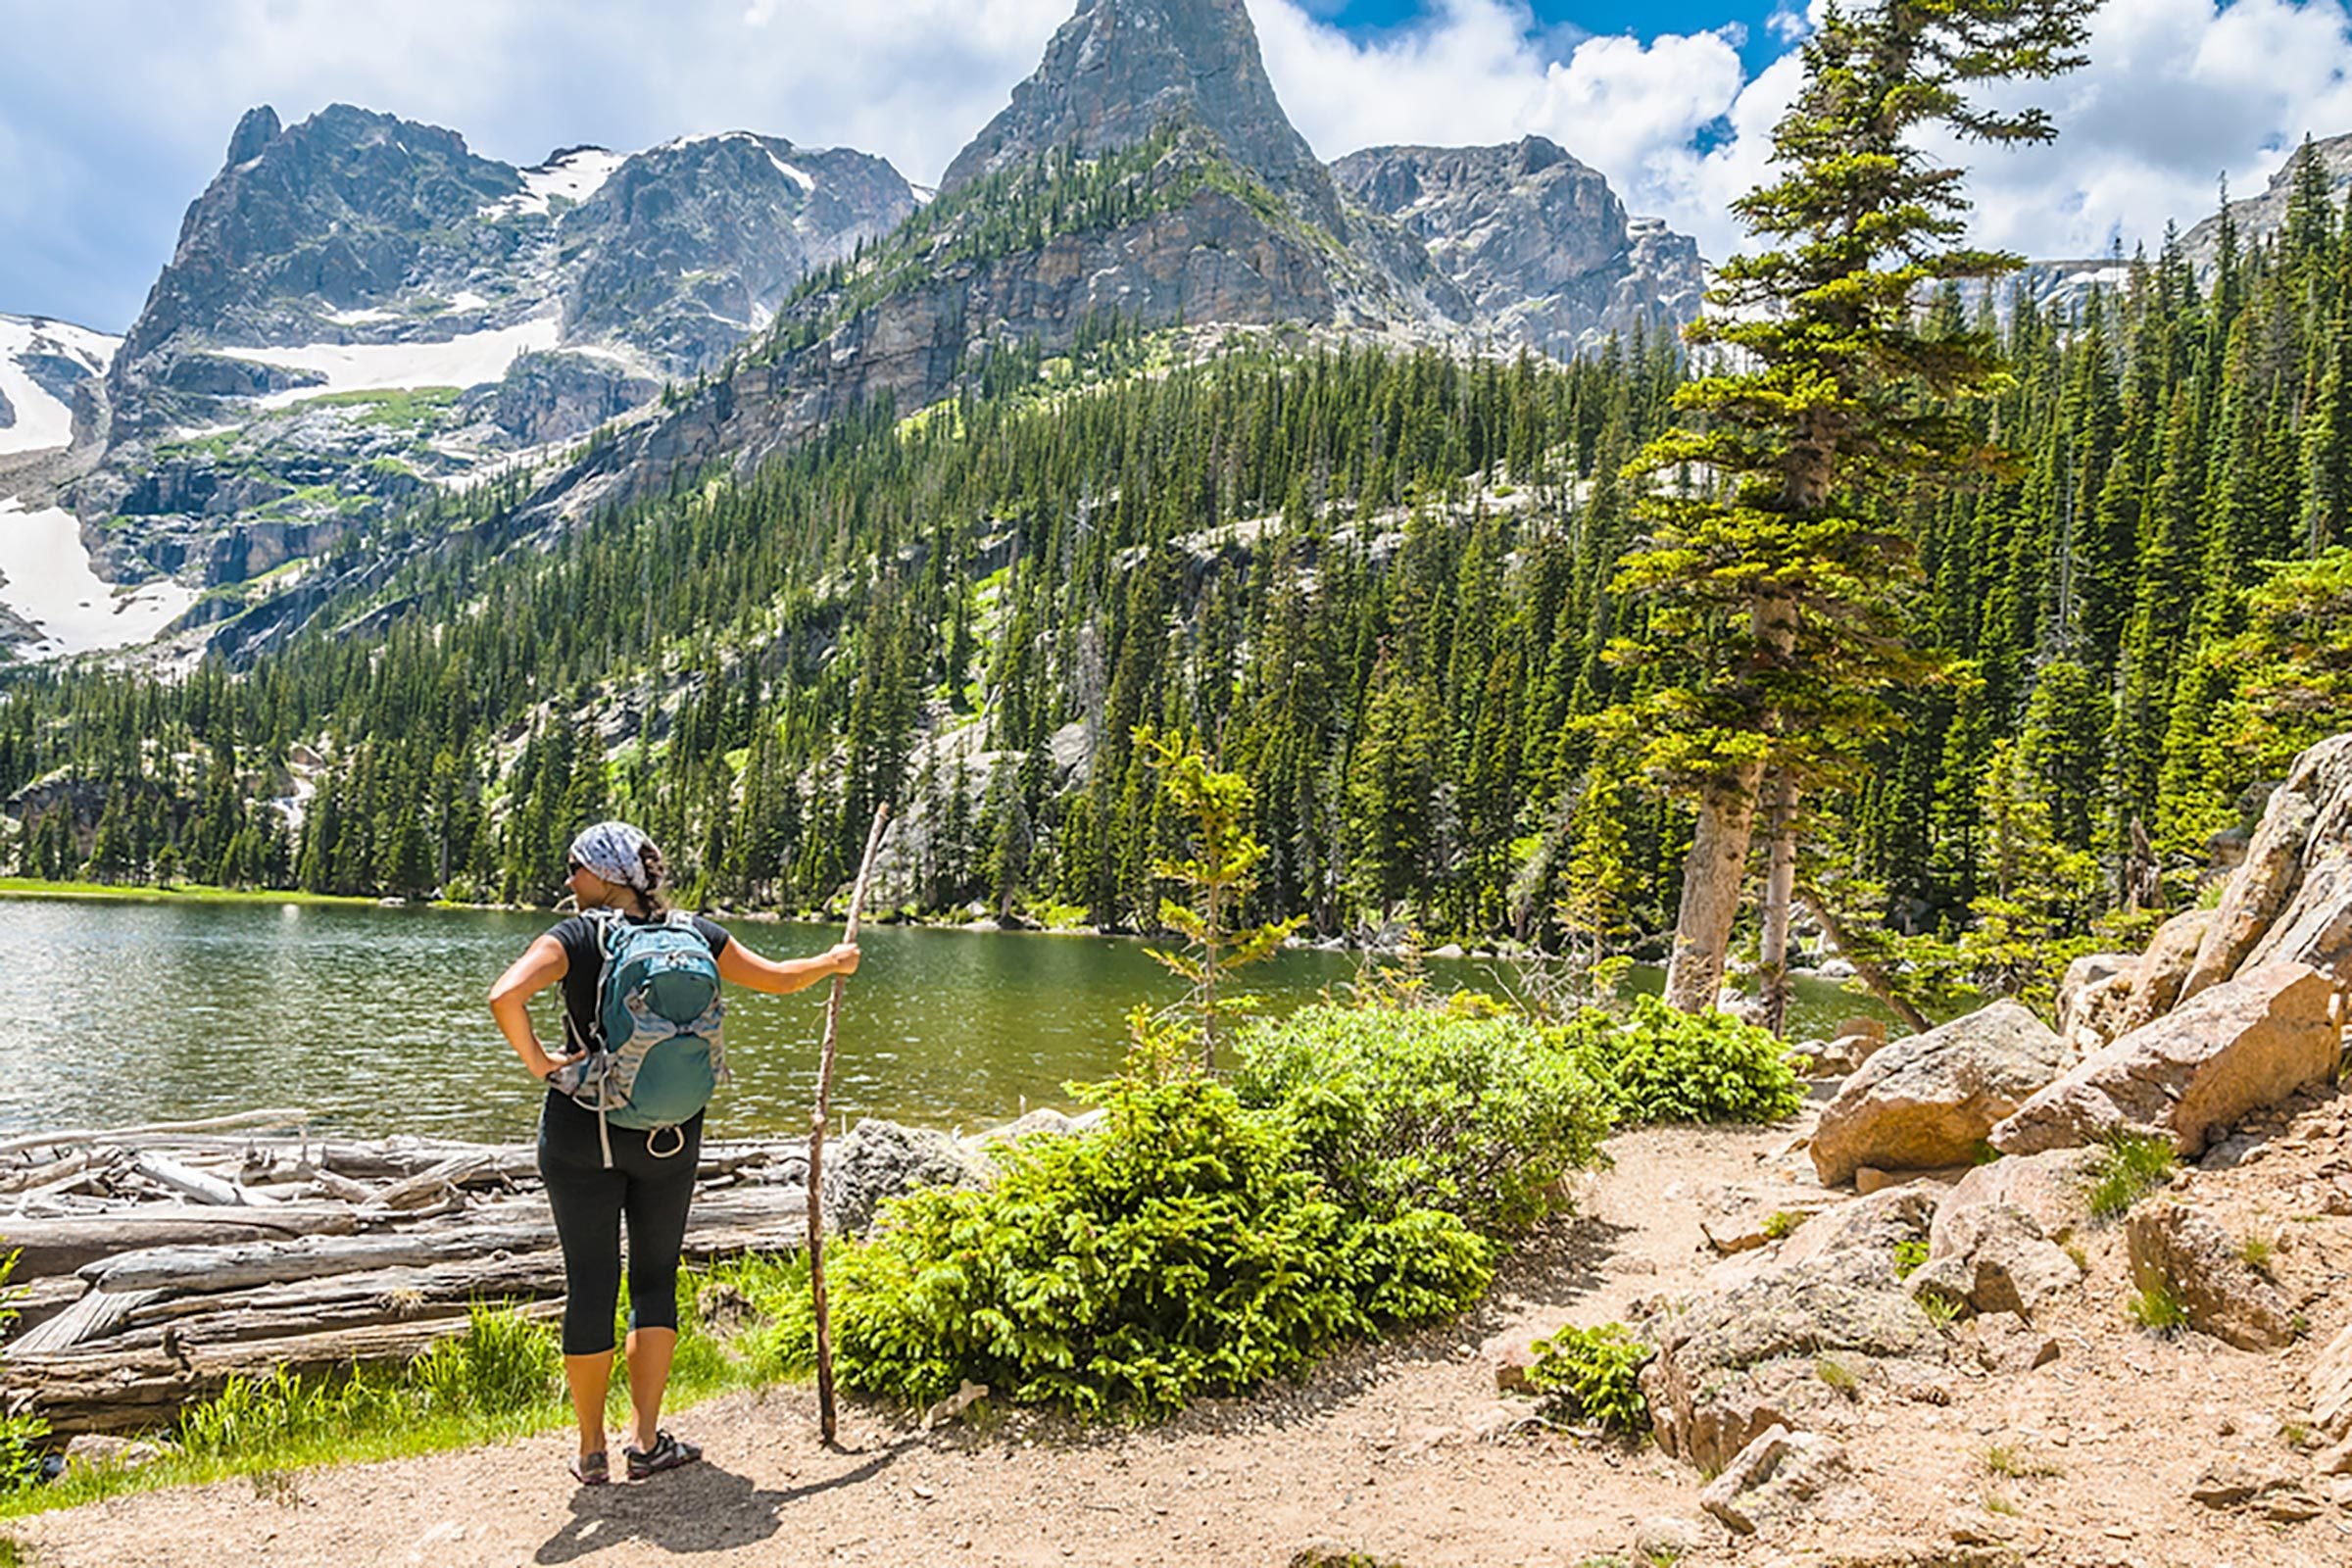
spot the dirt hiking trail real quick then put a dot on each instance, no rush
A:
(1402, 1453)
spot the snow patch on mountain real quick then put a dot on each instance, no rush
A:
(462, 362)
(41, 418)
(45, 577)
(573, 176)
(799, 177)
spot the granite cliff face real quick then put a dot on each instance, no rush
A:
(360, 305)
(1536, 242)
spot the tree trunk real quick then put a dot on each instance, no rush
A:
(1780, 891)
(1866, 971)
(1711, 876)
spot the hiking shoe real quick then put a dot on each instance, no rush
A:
(666, 1453)
(591, 1469)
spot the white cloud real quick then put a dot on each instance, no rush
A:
(2177, 93)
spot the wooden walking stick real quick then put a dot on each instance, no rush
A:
(817, 1144)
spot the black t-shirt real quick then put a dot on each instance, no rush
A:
(579, 937)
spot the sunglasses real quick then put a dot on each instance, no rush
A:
(574, 868)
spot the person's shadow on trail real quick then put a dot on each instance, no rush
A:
(699, 1507)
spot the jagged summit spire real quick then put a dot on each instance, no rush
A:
(258, 128)
(1117, 69)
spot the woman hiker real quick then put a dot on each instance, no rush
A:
(635, 1155)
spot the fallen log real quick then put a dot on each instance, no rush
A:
(271, 1263)
(189, 1181)
(64, 1246)
(109, 1393)
(97, 1315)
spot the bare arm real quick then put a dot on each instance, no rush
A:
(541, 965)
(777, 976)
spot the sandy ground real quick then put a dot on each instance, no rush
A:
(1404, 1452)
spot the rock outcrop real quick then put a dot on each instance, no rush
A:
(2176, 1249)
(1928, 1101)
(1990, 1258)
(1784, 1476)
(2240, 1045)
(1537, 243)
(2291, 900)
(1737, 1362)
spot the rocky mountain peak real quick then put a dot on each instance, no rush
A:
(1119, 68)
(1536, 241)
(2266, 213)
(255, 129)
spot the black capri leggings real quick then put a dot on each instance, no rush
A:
(589, 1201)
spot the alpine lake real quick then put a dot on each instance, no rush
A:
(373, 1019)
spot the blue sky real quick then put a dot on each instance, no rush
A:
(114, 114)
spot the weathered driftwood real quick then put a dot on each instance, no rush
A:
(175, 1131)
(98, 1314)
(107, 1391)
(61, 1246)
(157, 1262)
(248, 1264)
(189, 1181)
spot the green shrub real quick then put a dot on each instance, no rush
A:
(1910, 1256)
(1597, 1373)
(2131, 1166)
(1657, 1064)
(1397, 1110)
(1177, 1249)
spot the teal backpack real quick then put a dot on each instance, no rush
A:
(659, 1010)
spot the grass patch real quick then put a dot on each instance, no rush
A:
(2013, 1464)
(2257, 1254)
(500, 1380)
(1781, 1223)
(2130, 1168)
(2157, 1307)
(1910, 1256)
(1994, 1503)
(1837, 1375)
(391, 408)
(1942, 1310)
(26, 887)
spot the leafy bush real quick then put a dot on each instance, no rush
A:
(1597, 1373)
(1177, 1249)
(2130, 1166)
(1658, 1064)
(1398, 1110)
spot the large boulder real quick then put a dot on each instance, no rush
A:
(2291, 900)
(2051, 1189)
(1994, 1258)
(2161, 973)
(2245, 1044)
(1734, 1363)
(1928, 1101)
(1784, 1476)
(2176, 1247)
(880, 1161)
(2329, 1385)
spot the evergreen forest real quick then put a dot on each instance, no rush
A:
(1383, 586)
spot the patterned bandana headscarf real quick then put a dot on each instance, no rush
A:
(614, 852)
